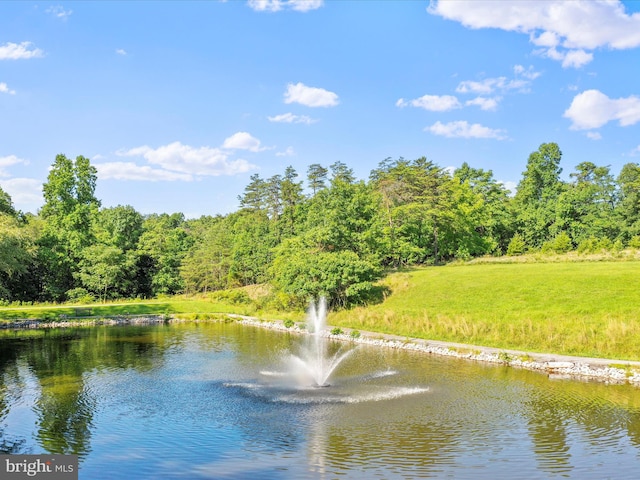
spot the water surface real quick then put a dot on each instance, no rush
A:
(193, 401)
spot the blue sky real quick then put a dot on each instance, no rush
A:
(178, 103)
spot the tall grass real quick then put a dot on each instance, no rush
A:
(576, 308)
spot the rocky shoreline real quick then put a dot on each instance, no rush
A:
(86, 322)
(556, 366)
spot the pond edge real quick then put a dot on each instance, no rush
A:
(556, 366)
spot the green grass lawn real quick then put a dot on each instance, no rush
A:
(576, 308)
(173, 305)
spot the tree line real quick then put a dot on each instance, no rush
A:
(334, 236)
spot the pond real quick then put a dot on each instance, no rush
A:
(199, 401)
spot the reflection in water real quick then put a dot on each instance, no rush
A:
(549, 437)
(188, 401)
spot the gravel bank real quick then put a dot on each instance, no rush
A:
(556, 366)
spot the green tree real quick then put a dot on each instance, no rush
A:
(536, 199)
(495, 221)
(317, 177)
(103, 270)
(628, 206)
(337, 253)
(69, 210)
(340, 172)
(292, 198)
(15, 253)
(70, 202)
(6, 204)
(111, 267)
(162, 246)
(255, 194)
(585, 208)
(345, 216)
(416, 199)
(274, 197)
(120, 226)
(207, 264)
(251, 248)
(305, 272)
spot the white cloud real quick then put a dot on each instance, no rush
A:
(310, 96)
(176, 157)
(635, 152)
(4, 88)
(26, 193)
(121, 51)
(8, 161)
(463, 129)
(485, 87)
(243, 141)
(593, 109)
(528, 73)
(289, 152)
(571, 58)
(490, 85)
(521, 82)
(433, 103)
(523, 77)
(576, 58)
(278, 5)
(484, 103)
(545, 39)
(291, 118)
(19, 51)
(576, 26)
(58, 11)
(131, 171)
(594, 135)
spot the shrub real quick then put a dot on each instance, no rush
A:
(588, 245)
(517, 245)
(618, 246)
(235, 297)
(79, 295)
(560, 244)
(635, 242)
(341, 276)
(605, 244)
(355, 334)
(288, 323)
(336, 331)
(463, 253)
(281, 301)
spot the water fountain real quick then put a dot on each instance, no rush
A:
(314, 365)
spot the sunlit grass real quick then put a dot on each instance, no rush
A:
(165, 306)
(575, 308)
(585, 309)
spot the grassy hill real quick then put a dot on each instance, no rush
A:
(564, 307)
(575, 308)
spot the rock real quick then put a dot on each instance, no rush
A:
(559, 365)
